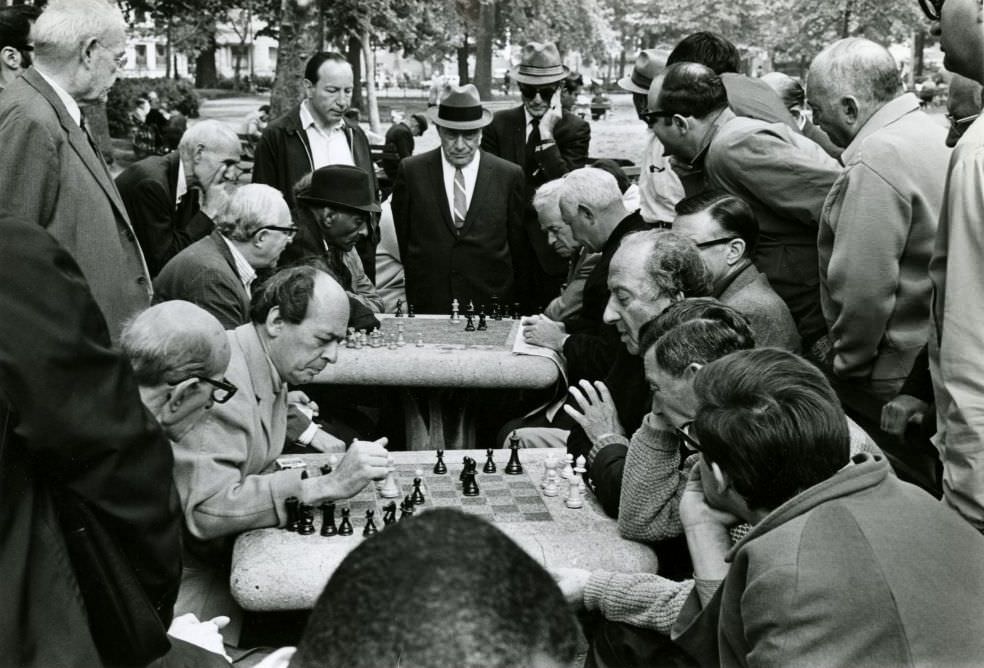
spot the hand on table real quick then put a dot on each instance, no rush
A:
(539, 330)
(598, 415)
(900, 411)
(572, 582)
(205, 634)
(364, 461)
(325, 442)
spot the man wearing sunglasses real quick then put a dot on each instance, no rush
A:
(957, 272)
(547, 143)
(173, 199)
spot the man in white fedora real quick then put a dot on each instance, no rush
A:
(458, 213)
(547, 143)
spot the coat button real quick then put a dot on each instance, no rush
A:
(129, 235)
(142, 280)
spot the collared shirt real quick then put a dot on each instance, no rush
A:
(182, 188)
(71, 106)
(328, 146)
(659, 186)
(470, 172)
(246, 272)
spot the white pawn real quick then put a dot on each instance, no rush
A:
(399, 335)
(548, 465)
(575, 498)
(550, 486)
(390, 488)
(568, 471)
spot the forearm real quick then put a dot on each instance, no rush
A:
(708, 543)
(645, 600)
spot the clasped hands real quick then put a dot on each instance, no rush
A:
(539, 330)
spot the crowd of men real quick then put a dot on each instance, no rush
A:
(760, 336)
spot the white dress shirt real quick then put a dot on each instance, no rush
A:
(328, 147)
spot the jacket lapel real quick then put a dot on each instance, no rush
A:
(519, 137)
(437, 178)
(480, 194)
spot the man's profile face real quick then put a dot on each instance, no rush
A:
(961, 38)
(107, 55)
(331, 94)
(559, 234)
(273, 242)
(633, 302)
(302, 351)
(580, 225)
(673, 397)
(212, 164)
(343, 227)
(459, 146)
(827, 113)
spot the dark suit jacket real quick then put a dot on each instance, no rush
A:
(205, 274)
(149, 188)
(442, 263)
(52, 177)
(71, 421)
(506, 138)
(399, 145)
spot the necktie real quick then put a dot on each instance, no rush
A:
(460, 202)
(531, 143)
(92, 142)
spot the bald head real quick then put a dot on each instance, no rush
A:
(212, 135)
(963, 104)
(789, 90)
(173, 341)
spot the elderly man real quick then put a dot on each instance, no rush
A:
(782, 175)
(726, 233)
(546, 142)
(771, 434)
(217, 272)
(879, 221)
(659, 185)
(591, 205)
(458, 214)
(334, 206)
(963, 107)
(225, 467)
(399, 142)
(791, 92)
(957, 271)
(560, 236)
(15, 42)
(173, 199)
(51, 174)
(314, 134)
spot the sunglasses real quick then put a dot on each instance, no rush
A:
(529, 92)
(931, 8)
(685, 431)
(959, 122)
(289, 231)
(650, 117)
(714, 242)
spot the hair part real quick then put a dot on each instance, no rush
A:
(212, 135)
(772, 422)
(65, 26)
(692, 89)
(732, 213)
(857, 67)
(707, 48)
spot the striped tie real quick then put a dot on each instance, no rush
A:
(460, 202)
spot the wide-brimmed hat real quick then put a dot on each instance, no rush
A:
(648, 65)
(340, 185)
(460, 109)
(540, 65)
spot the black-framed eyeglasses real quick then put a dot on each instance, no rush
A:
(222, 390)
(650, 117)
(530, 91)
(960, 122)
(289, 231)
(685, 431)
(931, 8)
(715, 242)
(120, 60)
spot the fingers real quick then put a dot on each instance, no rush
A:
(576, 416)
(220, 622)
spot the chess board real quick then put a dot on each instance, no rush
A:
(501, 498)
(442, 331)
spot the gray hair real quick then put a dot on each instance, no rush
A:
(590, 186)
(859, 67)
(547, 196)
(673, 263)
(67, 25)
(211, 134)
(170, 342)
(251, 207)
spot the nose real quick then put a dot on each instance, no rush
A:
(459, 142)
(330, 353)
(363, 231)
(610, 315)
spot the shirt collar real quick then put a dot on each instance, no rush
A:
(246, 272)
(71, 106)
(886, 115)
(182, 188)
(307, 119)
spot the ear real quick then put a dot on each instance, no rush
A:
(274, 324)
(199, 152)
(87, 48)
(586, 212)
(736, 250)
(10, 57)
(721, 480)
(691, 370)
(850, 108)
(179, 394)
(680, 123)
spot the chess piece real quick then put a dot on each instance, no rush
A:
(513, 467)
(550, 484)
(410, 312)
(468, 466)
(370, 527)
(390, 488)
(496, 309)
(489, 462)
(581, 466)
(345, 528)
(470, 485)
(399, 309)
(399, 335)
(568, 471)
(454, 309)
(440, 468)
(575, 498)
(293, 505)
(359, 337)
(548, 465)
(306, 527)
(328, 520)
(482, 325)
(470, 325)
(350, 338)
(406, 509)
(304, 474)
(389, 514)
(417, 495)
(326, 469)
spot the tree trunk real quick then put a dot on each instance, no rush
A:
(483, 48)
(206, 75)
(354, 56)
(463, 62)
(918, 45)
(846, 27)
(167, 49)
(296, 46)
(370, 57)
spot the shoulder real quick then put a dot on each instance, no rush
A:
(426, 160)
(288, 121)
(505, 117)
(501, 165)
(573, 124)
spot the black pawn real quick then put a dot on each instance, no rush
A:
(345, 528)
(304, 475)
(410, 313)
(406, 509)
(399, 309)
(470, 325)
(370, 527)
(389, 513)
(293, 513)
(440, 468)
(325, 469)
(482, 324)
(416, 496)
(465, 468)
(470, 485)
(489, 462)
(328, 519)
(513, 467)
(307, 520)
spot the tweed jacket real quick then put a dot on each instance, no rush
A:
(749, 293)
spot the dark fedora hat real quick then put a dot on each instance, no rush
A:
(648, 65)
(540, 65)
(340, 185)
(460, 109)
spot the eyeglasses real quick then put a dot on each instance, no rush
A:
(685, 431)
(289, 231)
(222, 390)
(958, 122)
(931, 8)
(649, 117)
(120, 60)
(714, 242)
(529, 92)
